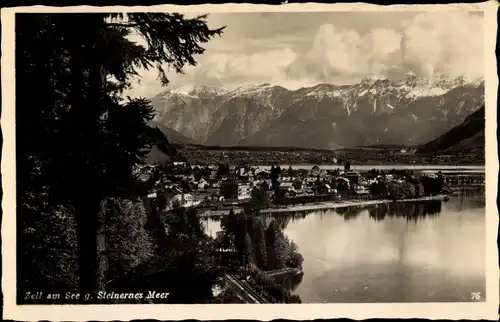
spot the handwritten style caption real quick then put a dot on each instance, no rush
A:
(75, 296)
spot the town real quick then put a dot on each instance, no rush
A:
(224, 187)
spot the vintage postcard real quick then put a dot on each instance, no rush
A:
(181, 162)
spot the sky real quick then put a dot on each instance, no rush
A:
(296, 49)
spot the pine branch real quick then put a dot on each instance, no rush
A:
(122, 25)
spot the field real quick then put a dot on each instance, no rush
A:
(359, 155)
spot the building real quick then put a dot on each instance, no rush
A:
(235, 190)
(144, 172)
(354, 177)
(173, 189)
(288, 186)
(244, 191)
(311, 179)
(246, 176)
(242, 170)
(267, 184)
(362, 190)
(342, 184)
(183, 200)
(262, 175)
(229, 189)
(213, 174)
(325, 188)
(315, 171)
(203, 184)
(298, 184)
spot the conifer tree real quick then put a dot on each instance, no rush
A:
(260, 245)
(248, 254)
(77, 138)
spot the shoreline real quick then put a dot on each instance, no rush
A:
(322, 206)
(476, 167)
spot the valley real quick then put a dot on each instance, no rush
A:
(326, 116)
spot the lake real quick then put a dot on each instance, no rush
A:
(388, 167)
(430, 251)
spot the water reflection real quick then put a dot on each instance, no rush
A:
(410, 210)
(399, 252)
(468, 199)
(428, 251)
(462, 200)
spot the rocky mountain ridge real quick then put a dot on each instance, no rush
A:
(374, 111)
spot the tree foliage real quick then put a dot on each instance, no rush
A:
(279, 196)
(411, 187)
(277, 246)
(296, 259)
(260, 245)
(270, 247)
(223, 170)
(249, 257)
(187, 267)
(259, 197)
(379, 189)
(129, 244)
(49, 255)
(77, 138)
(274, 173)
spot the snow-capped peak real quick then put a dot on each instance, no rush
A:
(412, 87)
(251, 90)
(190, 90)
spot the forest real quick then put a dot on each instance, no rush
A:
(82, 222)
(411, 187)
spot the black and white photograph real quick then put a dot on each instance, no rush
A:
(250, 156)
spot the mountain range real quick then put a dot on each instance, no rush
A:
(413, 111)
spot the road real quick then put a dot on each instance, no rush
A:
(245, 291)
(286, 270)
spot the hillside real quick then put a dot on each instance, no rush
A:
(173, 136)
(325, 116)
(469, 135)
(163, 150)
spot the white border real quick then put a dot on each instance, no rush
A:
(485, 310)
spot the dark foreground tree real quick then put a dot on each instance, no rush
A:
(186, 269)
(77, 139)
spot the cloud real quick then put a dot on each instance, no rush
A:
(345, 53)
(448, 43)
(220, 69)
(426, 44)
(235, 68)
(146, 85)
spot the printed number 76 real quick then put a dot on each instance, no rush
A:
(475, 295)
